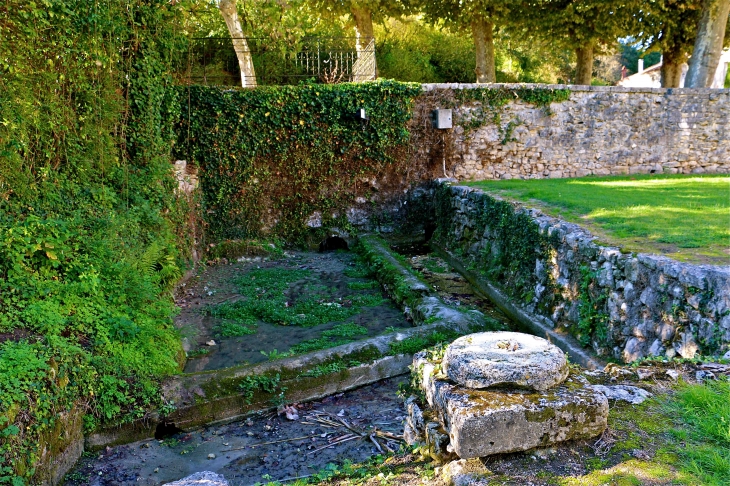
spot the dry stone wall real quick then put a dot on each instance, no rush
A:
(627, 306)
(597, 131)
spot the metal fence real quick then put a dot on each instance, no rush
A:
(213, 61)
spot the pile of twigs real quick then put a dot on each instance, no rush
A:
(384, 441)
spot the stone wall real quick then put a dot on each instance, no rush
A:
(637, 305)
(598, 131)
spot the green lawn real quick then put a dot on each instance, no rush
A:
(685, 217)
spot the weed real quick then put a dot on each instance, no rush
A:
(198, 353)
(259, 383)
(363, 285)
(231, 329)
(414, 344)
(330, 368)
(274, 354)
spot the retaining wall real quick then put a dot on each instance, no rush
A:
(626, 306)
(599, 130)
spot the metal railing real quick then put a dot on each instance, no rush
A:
(213, 61)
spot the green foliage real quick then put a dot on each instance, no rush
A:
(273, 156)
(89, 222)
(250, 385)
(592, 314)
(703, 416)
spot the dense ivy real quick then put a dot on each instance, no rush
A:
(88, 216)
(272, 156)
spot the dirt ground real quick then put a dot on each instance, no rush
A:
(216, 285)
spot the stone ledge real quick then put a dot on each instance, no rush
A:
(578, 88)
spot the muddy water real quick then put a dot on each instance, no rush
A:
(447, 283)
(260, 449)
(216, 285)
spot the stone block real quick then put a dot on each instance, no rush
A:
(485, 422)
(487, 359)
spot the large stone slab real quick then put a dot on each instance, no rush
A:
(487, 359)
(485, 422)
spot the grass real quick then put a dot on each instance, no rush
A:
(685, 217)
(265, 299)
(689, 431)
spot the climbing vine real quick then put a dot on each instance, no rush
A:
(274, 157)
(592, 316)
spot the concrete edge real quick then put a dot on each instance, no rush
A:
(526, 320)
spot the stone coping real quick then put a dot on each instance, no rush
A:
(579, 88)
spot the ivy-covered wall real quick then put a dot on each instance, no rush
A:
(294, 161)
(624, 306)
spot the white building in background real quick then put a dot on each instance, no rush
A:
(651, 77)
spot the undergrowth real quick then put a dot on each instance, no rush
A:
(89, 221)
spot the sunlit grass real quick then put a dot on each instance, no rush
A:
(686, 217)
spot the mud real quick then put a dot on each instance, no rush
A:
(259, 449)
(447, 283)
(216, 285)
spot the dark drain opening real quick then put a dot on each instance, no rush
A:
(166, 429)
(333, 243)
(428, 230)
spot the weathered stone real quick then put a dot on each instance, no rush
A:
(488, 359)
(486, 422)
(655, 305)
(466, 472)
(203, 478)
(625, 393)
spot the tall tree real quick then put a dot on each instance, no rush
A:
(586, 26)
(362, 14)
(708, 44)
(482, 17)
(669, 26)
(229, 10)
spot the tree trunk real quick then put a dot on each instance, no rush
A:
(584, 69)
(363, 27)
(672, 60)
(364, 34)
(483, 33)
(243, 53)
(708, 44)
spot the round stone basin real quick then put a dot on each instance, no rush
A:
(488, 359)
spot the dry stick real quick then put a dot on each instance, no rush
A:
(268, 443)
(380, 449)
(332, 444)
